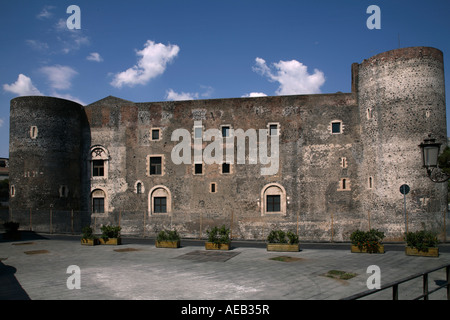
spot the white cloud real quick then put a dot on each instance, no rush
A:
(292, 76)
(254, 94)
(172, 95)
(69, 39)
(152, 62)
(22, 87)
(94, 56)
(37, 45)
(59, 76)
(45, 13)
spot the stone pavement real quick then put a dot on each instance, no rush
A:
(37, 269)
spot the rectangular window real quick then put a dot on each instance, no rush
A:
(98, 168)
(198, 132)
(335, 127)
(225, 131)
(225, 168)
(98, 205)
(155, 165)
(273, 203)
(213, 187)
(160, 204)
(155, 134)
(198, 168)
(273, 130)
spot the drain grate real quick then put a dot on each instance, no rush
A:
(36, 252)
(286, 259)
(126, 250)
(23, 243)
(203, 256)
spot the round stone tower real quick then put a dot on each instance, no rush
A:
(401, 95)
(45, 155)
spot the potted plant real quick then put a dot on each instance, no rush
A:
(168, 239)
(422, 243)
(88, 238)
(367, 241)
(218, 239)
(11, 230)
(279, 240)
(111, 235)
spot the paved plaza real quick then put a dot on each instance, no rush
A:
(37, 269)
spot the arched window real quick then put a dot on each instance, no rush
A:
(139, 187)
(99, 157)
(159, 200)
(98, 198)
(273, 199)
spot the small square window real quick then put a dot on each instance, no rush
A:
(155, 165)
(155, 134)
(226, 168)
(198, 168)
(336, 127)
(273, 129)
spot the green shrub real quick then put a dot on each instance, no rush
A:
(88, 233)
(421, 240)
(168, 235)
(279, 236)
(110, 232)
(219, 235)
(368, 240)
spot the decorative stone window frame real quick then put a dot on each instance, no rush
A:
(136, 187)
(12, 191)
(274, 124)
(341, 126)
(99, 152)
(159, 134)
(159, 191)
(148, 165)
(63, 191)
(273, 189)
(230, 131)
(344, 184)
(343, 162)
(105, 201)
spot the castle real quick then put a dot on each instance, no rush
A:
(338, 159)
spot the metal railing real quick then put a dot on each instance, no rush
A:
(425, 291)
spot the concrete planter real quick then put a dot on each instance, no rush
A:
(217, 246)
(355, 249)
(431, 252)
(283, 247)
(111, 241)
(90, 242)
(168, 244)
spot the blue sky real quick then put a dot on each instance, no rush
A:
(190, 49)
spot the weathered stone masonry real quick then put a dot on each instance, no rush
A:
(342, 158)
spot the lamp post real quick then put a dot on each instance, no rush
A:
(430, 151)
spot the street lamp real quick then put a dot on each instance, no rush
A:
(430, 151)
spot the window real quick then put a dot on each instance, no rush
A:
(213, 187)
(98, 168)
(63, 191)
(13, 191)
(160, 204)
(33, 132)
(336, 127)
(273, 203)
(273, 199)
(98, 201)
(159, 200)
(226, 168)
(343, 161)
(370, 182)
(198, 168)
(273, 129)
(156, 133)
(225, 131)
(139, 188)
(155, 166)
(99, 162)
(198, 132)
(344, 185)
(98, 205)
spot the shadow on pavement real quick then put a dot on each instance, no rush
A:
(10, 288)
